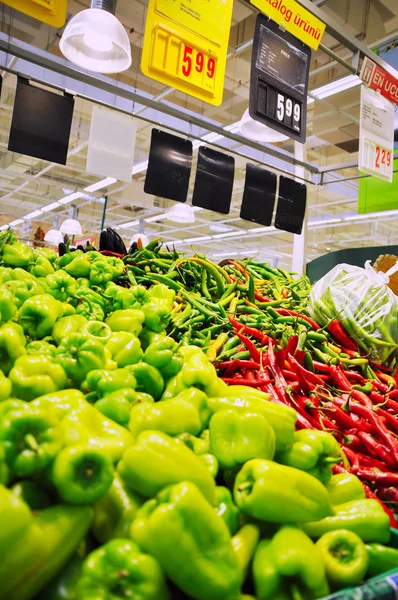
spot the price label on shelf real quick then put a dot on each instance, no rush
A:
(52, 12)
(186, 44)
(376, 138)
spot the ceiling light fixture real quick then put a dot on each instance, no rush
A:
(96, 40)
(51, 206)
(370, 216)
(70, 198)
(33, 215)
(140, 167)
(181, 213)
(54, 237)
(335, 87)
(258, 132)
(15, 223)
(323, 222)
(139, 236)
(71, 227)
(99, 185)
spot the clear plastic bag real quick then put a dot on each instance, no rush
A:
(364, 305)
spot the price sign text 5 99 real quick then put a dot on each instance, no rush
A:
(197, 67)
(288, 112)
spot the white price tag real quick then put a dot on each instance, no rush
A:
(376, 138)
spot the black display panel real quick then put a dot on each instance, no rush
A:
(279, 79)
(292, 202)
(169, 166)
(214, 180)
(259, 195)
(41, 123)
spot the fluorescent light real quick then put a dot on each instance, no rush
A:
(201, 238)
(4, 227)
(335, 87)
(32, 215)
(156, 218)
(323, 222)
(14, 223)
(51, 206)
(225, 235)
(100, 184)
(128, 224)
(368, 217)
(70, 198)
(140, 167)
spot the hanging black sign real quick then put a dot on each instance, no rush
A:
(259, 195)
(214, 180)
(41, 123)
(279, 79)
(169, 166)
(291, 207)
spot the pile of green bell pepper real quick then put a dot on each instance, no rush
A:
(128, 469)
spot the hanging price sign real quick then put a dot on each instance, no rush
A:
(186, 44)
(376, 140)
(52, 12)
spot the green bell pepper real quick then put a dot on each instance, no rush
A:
(210, 462)
(101, 271)
(157, 314)
(31, 440)
(314, 452)
(129, 320)
(40, 266)
(226, 509)
(366, 518)
(244, 543)
(199, 445)
(120, 569)
(381, 559)
(31, 492)
(156, 460)
(191, 543)
(41, 347)
(97, 330)
(345, 558)
(236, 438)
(117, 405)
(160, 291)
(63, 586)
(66, 326)
(148, 337)
(59, 404)
(159, 353)
(281, 418)
(81, 474)
(288, 566)
(79, 355)
(12, 345)
(101, 382)
(5, 387)
(149, 379)
(344, 487)
(7, 305)
(34, 375)
(125, 348)
(263, 489)
(89, 307)
(61, 285)
(174, 416)
(79, 265)
(115, 511)
(38, 315)
(199, 400)
(15, 254)
(50, 254)
(33, 559)
(21, 290)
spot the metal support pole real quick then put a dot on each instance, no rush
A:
(104, 212)
(299, 259)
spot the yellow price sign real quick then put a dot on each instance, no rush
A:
(52, 12)
(186, 44)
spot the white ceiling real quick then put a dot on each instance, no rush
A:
(28, 184)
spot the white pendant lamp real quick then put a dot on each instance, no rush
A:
(71, 227)
(258, 132)
(54, 237)
(139, 236)
(96, 40)
(181, 213)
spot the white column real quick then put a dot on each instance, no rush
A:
(299, 259)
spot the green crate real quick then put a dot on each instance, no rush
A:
(382, 587)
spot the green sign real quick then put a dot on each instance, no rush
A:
(376, 195)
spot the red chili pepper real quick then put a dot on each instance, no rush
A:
(280, 384)
(299, 355)
(352, 457)
(261, 298)
(318, 366)
(390, 494)
(352, 441)
(254, 352)
(370, 462)
(390, 381)
(289, 374)
(238, 364)
(362, 398)
(316, 415)
(382, 387)
(284, 312)
(303, 423)
(338, 468)
(308, 380)
(352, 375)
(373, 496)
(274, 397)
(341, 336)
(291, 346)
(378, 428)
(381, 367)
(376, 449)
(342, 418)
(256, 333)
(238, 381)
(389, 419)
(340, 379)
(386, 478)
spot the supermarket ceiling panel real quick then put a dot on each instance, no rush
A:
(28, 184)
